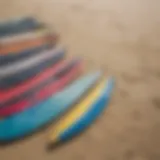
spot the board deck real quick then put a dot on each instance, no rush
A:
(39, 93)
(83, 114)
(24, 123)
(44, 62)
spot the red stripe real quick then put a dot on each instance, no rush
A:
(43, 94)
(27, 85)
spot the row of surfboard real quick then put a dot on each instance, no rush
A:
(39, 84)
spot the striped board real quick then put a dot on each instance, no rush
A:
(45, 76)
(34, 34)
(28, 62)
(29, 84)
(83, 114)
(42, 61)
(11, 58)
(24, 123)
(18, 25)
(42, 91)
(19, 46)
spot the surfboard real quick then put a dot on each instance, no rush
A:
(83, 114)
(19, 46)
(31, 83)
(26, 85)
(27, 89)
(52, 57)
(29, 62)
(17, 56)
(26, 122)
(18, 25)
(60, 80)
(37, 33)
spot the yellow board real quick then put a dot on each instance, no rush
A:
(76, 112)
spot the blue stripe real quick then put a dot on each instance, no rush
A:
(93, 112)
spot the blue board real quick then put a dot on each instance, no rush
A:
(91, 113)
(18, 26)
(24, 123)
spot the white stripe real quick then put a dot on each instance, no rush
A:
(29, 62)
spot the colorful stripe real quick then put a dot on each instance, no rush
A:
(21, 124)
(13, 79)
(38, 82)
(36, 95)
(9, 59)
(83, 114)
(31, 83)
(29, 62)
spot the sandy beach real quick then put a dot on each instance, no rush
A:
(122, 38)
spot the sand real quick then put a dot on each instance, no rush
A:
(121, 37)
